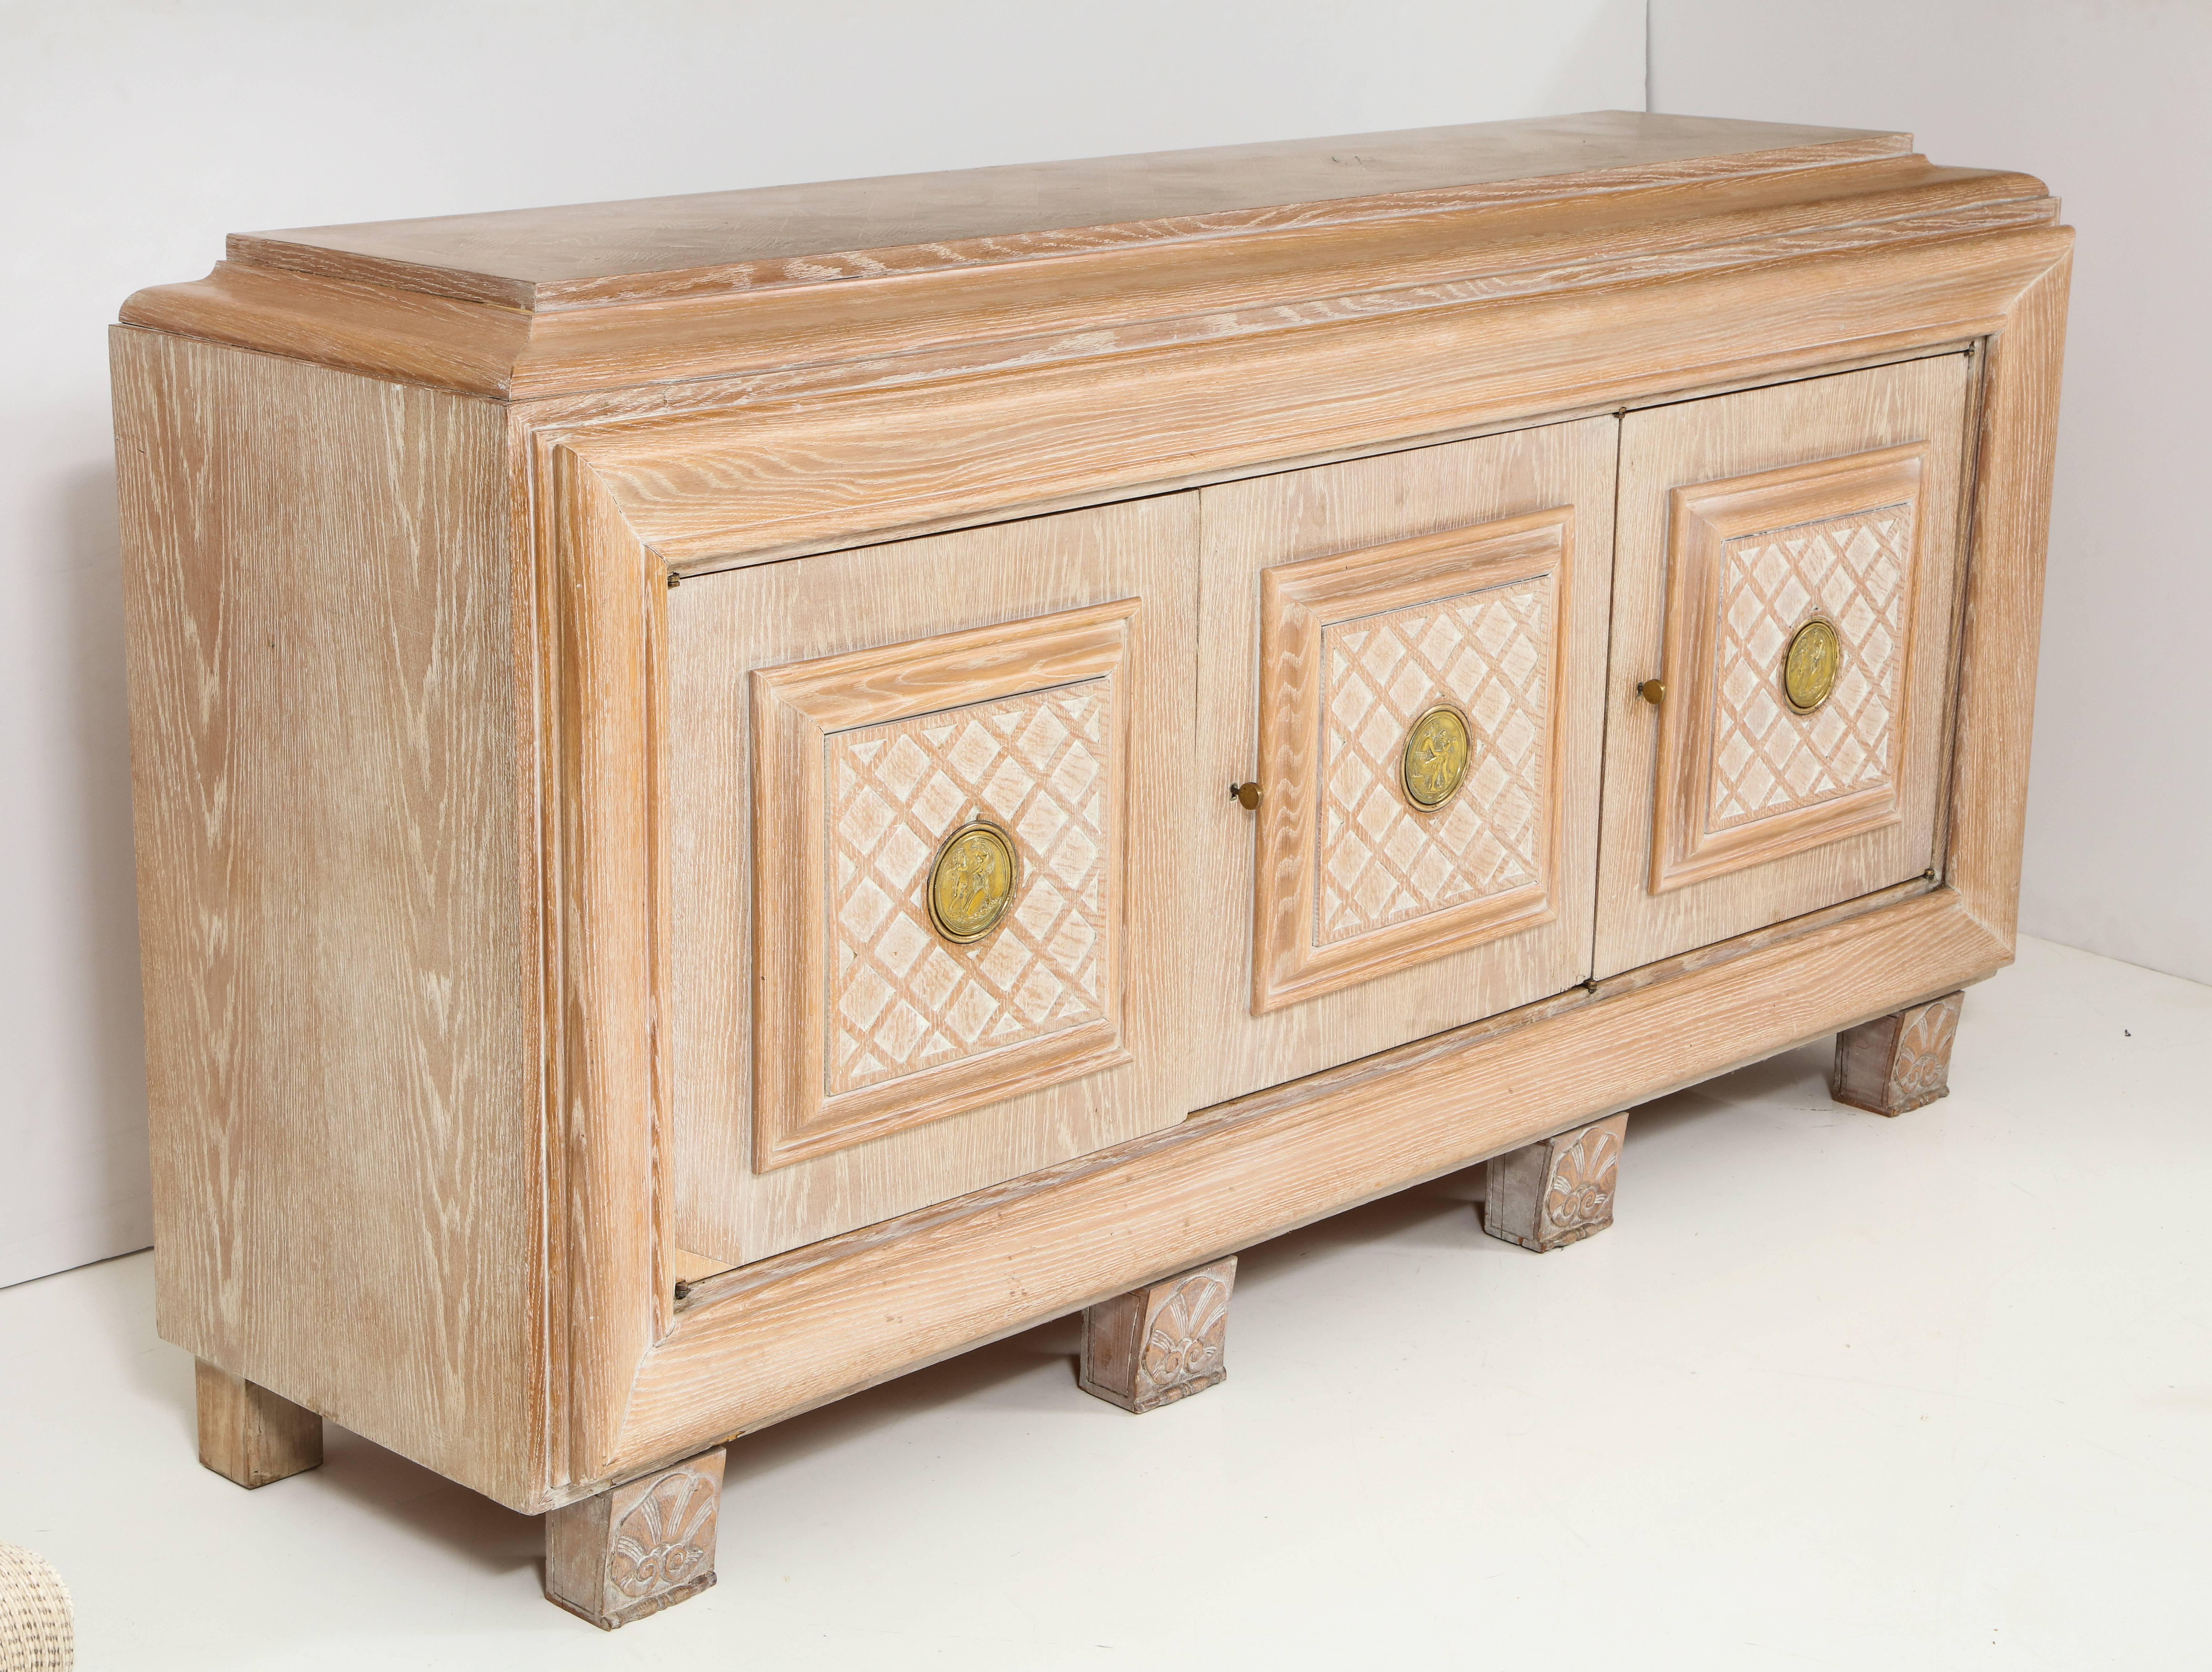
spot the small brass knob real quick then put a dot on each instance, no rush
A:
(1248, 795)
(1653, 691)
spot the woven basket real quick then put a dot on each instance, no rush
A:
(35, 1630)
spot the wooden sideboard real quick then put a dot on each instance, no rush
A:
(737, 793)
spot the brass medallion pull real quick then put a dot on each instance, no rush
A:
(1247, 796)
(1809, 668)
(972, 883)
(1653, 691)
(1434, 764)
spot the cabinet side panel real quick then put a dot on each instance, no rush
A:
(332, 869)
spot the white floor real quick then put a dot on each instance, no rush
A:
(1834, 1391)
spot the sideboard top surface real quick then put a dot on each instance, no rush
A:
(583, 254)
(619, 312)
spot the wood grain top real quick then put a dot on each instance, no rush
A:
(585, 254)
(764, 298)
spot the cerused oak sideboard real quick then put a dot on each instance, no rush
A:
(736, 793)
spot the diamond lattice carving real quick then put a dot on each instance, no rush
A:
(900, 998)
(1381, 862)
(1767, 758)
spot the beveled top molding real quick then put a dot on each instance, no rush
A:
(928, 276)
(657, 249)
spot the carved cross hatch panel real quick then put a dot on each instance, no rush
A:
(1381, 859)
(1751, 769)
(872, 1013)
(1767, 758)
(1409, 739)
(902, 998)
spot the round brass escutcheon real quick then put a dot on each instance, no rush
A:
(972, 883)
(1809, 670)
(1434, 764)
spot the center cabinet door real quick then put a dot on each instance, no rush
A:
(929, 931)
(1408, 655)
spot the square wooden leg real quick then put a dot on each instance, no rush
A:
(1545, 1195)
(1160, 1343)
(639, 1547)
(1898, 1062)
(249, 1435)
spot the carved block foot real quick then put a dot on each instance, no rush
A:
(1545, 1195)
(636, 1549)
(249, 1435)
(1160, 1343)
(1898, 1062)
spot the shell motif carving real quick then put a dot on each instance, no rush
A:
(1584, 1179)
(1189, 1333)
(1922, 1072)
(668, 1538)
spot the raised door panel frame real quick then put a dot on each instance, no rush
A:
(802, 942)
(1706, 524)
(1294, 956)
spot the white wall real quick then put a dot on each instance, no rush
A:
(2110, 101)
(134, 136)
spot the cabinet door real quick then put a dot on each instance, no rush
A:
(1788, 570)
(920, 797)
(1408, 655)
